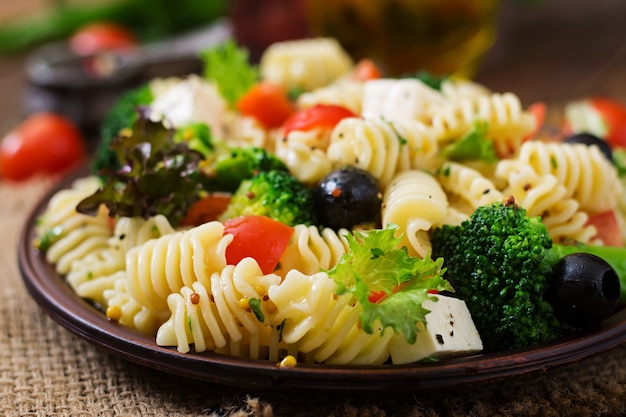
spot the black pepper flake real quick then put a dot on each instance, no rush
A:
(439, 339)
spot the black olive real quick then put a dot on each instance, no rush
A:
(348, 197)
(589, 139)
(583, 290)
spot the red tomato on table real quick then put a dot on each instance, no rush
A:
(43, 143)
(258, 237)
(101, 36)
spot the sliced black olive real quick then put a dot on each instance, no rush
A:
(583, 290)
(348, 197)
(589, 139)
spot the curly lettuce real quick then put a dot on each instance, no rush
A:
(375, 264)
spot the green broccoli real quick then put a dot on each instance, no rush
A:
(242, 163)
(276, 194)
(499, 261)
(120, 116)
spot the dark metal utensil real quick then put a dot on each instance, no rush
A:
(83, 87)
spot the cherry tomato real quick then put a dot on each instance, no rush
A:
(607, 227)
(376, 296)
(366, 70)
(268, 103)
(101, 36)
(258, 237)
(43, 143)
(206, 209)
(614, 115)
(321, 115)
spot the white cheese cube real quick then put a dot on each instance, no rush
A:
(191, 100)
(449, 331)
(401, 101)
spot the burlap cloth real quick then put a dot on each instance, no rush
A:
(47, 371)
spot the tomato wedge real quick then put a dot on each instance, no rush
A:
(321, 115)
(257, 237)
(267, 102)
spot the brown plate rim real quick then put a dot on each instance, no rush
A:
(58, 300)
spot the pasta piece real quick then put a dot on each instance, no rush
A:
(454, 89)
(218, 316)
(344, 93)
(508, 124)
(544, 196)
(322, 325)
(311, 250)
(382, 148)
(164, 265)
(585, 173)
(304, 153)
(305, 64)
(75, 235)
(468, 184)
(415, 202)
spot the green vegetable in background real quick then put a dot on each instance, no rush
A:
(375, 263)
(148, 19)
(227, 65)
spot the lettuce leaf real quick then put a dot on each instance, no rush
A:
(228, 67)
(376, 262)
(157, 175)
(474, 145)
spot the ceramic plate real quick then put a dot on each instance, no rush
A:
(52, 293)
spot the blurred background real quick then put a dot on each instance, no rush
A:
(549, 50)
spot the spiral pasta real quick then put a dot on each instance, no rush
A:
(304, 153)
(305, 63)
(383, 148)
(311, 250)
(467, 183)
(508, 123)
(75, 235)
(586, 174)
(164, 265)
(415, 202)
(544, 196)
(344, 93)
(217, 315)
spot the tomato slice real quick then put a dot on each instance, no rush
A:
(614, 115)
(319, 116)
(608, 228)
(258, 237)
(101, 36)
(44, 143)
(268, 103)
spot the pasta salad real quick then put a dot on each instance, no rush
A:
(285, 211)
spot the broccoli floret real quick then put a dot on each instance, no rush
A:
(120, 116)
(276, 194)
(239, 164)
(499, 261)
